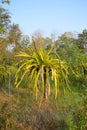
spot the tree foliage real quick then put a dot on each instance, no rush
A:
(4, 20)
(5, 1)
(82, 40)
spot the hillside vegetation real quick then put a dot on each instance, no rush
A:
(43, 82)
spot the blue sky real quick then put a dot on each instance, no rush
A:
(49, 16)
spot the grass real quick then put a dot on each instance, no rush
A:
(21, 111)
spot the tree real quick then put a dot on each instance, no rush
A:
(4, 20)
(37, 36)
(5, 1)
(67, 46)
(14, 34)
(82, 40)
(25, 42)
(42, 67)
(14, 38)
(70, 50)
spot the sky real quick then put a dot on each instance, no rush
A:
(49, 16)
